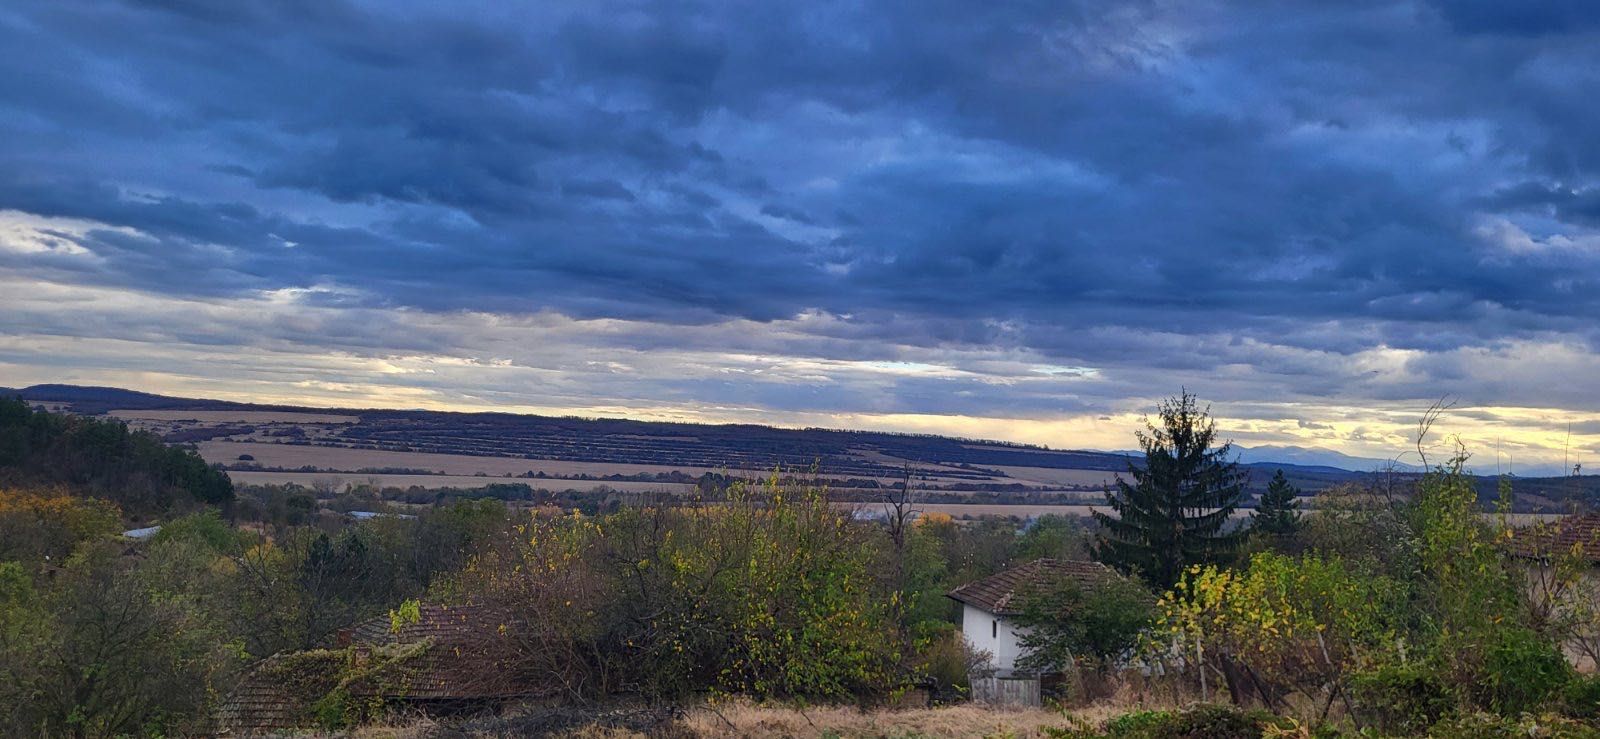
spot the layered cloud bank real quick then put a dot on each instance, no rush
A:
(1025, 222)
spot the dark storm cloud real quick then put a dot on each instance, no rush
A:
(1076, 179)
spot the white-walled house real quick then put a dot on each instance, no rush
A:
(989, 606)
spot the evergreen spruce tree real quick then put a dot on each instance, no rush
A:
(1174, 512)
(1277, 513)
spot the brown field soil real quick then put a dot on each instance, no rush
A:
(295, 455)
(990, 447)
(233, 416)
(873, 455)
(979, 510)
(342, 479)
(1051, 476)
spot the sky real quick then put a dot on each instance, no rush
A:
(1017, 220)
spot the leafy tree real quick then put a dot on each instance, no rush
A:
(1282, 626)
(445, 538)
(99, 652)
(1364, 528)
(772, 592)
(1174, 513)
(927, 576)
(1277, 515)
(205, 529)
(1066, 622)
(1476, 605)
(296, 591)
(46, 524)
(1052, 536)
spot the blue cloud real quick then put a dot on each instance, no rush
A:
(1313, 176)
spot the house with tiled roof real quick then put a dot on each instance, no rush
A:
(989, 606)
(1577, 535)
(442, 658)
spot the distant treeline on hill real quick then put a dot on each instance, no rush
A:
(102, 458)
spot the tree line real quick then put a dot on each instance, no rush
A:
(102, 458)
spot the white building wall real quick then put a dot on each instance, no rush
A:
(996, 635)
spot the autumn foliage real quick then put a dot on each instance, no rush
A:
(769, 592)
(40, 525)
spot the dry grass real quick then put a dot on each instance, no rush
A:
(764, 722)
(773, 722)
(413, 727)
(740, 718)
(744, 719)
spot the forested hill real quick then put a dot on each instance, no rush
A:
(102, 458)
(645, 441)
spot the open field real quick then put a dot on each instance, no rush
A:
(294, 456)
(1054, 477)
(232, 417)
(978, 510)
(1023, 510)
(341, 479)
(346, 441)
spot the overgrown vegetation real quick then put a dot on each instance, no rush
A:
(1391, 609)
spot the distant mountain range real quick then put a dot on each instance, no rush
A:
(1304, 458)
(1312, 457)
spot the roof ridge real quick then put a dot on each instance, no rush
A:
(995, 592)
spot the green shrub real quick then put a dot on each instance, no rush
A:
(1402, 699)
(333, 711)
(205, 528)
(1216, 722)
(1137, 723)
(1068, 624)
(1490, 726)
(946, 658)
(1580, 698)
(1522, 671)
(1198, 722)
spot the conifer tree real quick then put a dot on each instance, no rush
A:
(1277, 513)
(1174, 513)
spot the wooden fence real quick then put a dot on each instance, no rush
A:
(1015, 689)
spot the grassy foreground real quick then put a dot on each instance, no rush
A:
(771, 722)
